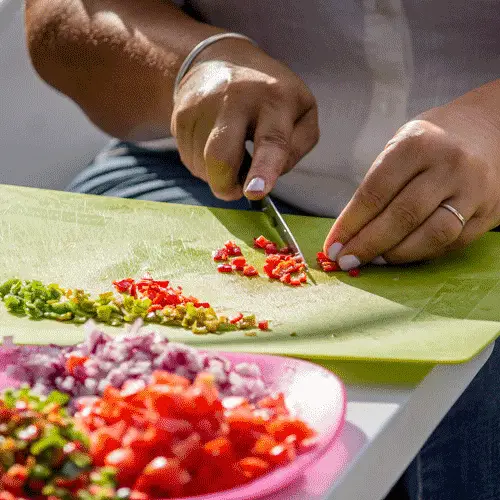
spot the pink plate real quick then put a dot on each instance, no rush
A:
(312, 393)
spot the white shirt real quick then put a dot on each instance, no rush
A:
(372, 65)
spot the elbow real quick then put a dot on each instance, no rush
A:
(51, 38)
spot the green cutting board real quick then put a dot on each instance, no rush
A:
(444, 312)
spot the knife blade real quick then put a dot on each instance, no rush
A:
(267, 206)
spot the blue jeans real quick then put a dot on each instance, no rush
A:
(460, 461)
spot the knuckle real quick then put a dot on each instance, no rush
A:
(405, 216)
(370, 198)
(278, 91)
(440, 235)
(274, 137)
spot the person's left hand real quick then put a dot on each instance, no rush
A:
(450, 155)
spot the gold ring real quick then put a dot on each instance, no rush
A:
(455, 212)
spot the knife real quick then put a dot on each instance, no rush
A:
(273, 215)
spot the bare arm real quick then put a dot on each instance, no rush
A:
(117, 59)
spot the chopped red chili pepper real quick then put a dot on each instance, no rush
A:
(236, 318)
(232, 249)
(123, 285)
(271, 248)
(73, 361)
(239, 263)
(250, 271)
(220, 255)
(263, 325)
(225, 268)
(261, 242)
(354, 273)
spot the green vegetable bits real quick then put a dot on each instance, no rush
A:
(39, 301)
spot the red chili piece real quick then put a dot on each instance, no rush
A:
(263, 325)
(220, 255)
(225, 268)
(354, 273)
(261, 242)
(250, 271)
(326, 263)
(236, 318)
(233, 250)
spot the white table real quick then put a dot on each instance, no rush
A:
(386, 427)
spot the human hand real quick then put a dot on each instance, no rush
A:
(239, 95)
(448, 155)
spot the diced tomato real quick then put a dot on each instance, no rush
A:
(127, 462)
(162, 477)
(220, 255)
(282, 454)
(264, 445)
(263, 325)
(286, 278)
(284, 426)
(253, 467)
(102, 442)
(188, 450)
(250, 271)
(73, 361)
(261, 242)
(220, 449)
(236, 318)
(168, 378)
(274, 402)
(295, 282)
(225, 268)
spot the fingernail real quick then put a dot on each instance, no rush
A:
(348, 262)
(256, 185)
(379, 261)
(334, 250)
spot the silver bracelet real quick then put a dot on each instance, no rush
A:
(202, 46)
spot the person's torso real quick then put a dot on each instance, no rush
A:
(372, 65)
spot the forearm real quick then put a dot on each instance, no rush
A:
(117, 59)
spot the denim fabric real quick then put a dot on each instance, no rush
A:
(460, 461)
(128, 171)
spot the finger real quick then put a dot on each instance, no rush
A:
(407, 211)
(435, 236)
(272, 147)
(475, 228)
(201, 131)
(224, 152)
(304, 137)
(183, 122)
(394, 168)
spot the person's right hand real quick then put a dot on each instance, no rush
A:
(242, 95)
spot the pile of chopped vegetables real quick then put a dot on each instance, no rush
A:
(280, 264)
(102, 360)
(42, 453)
(138, 418)
(174, 438)
(154, 301)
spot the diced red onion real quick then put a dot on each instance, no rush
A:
(114, 360)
